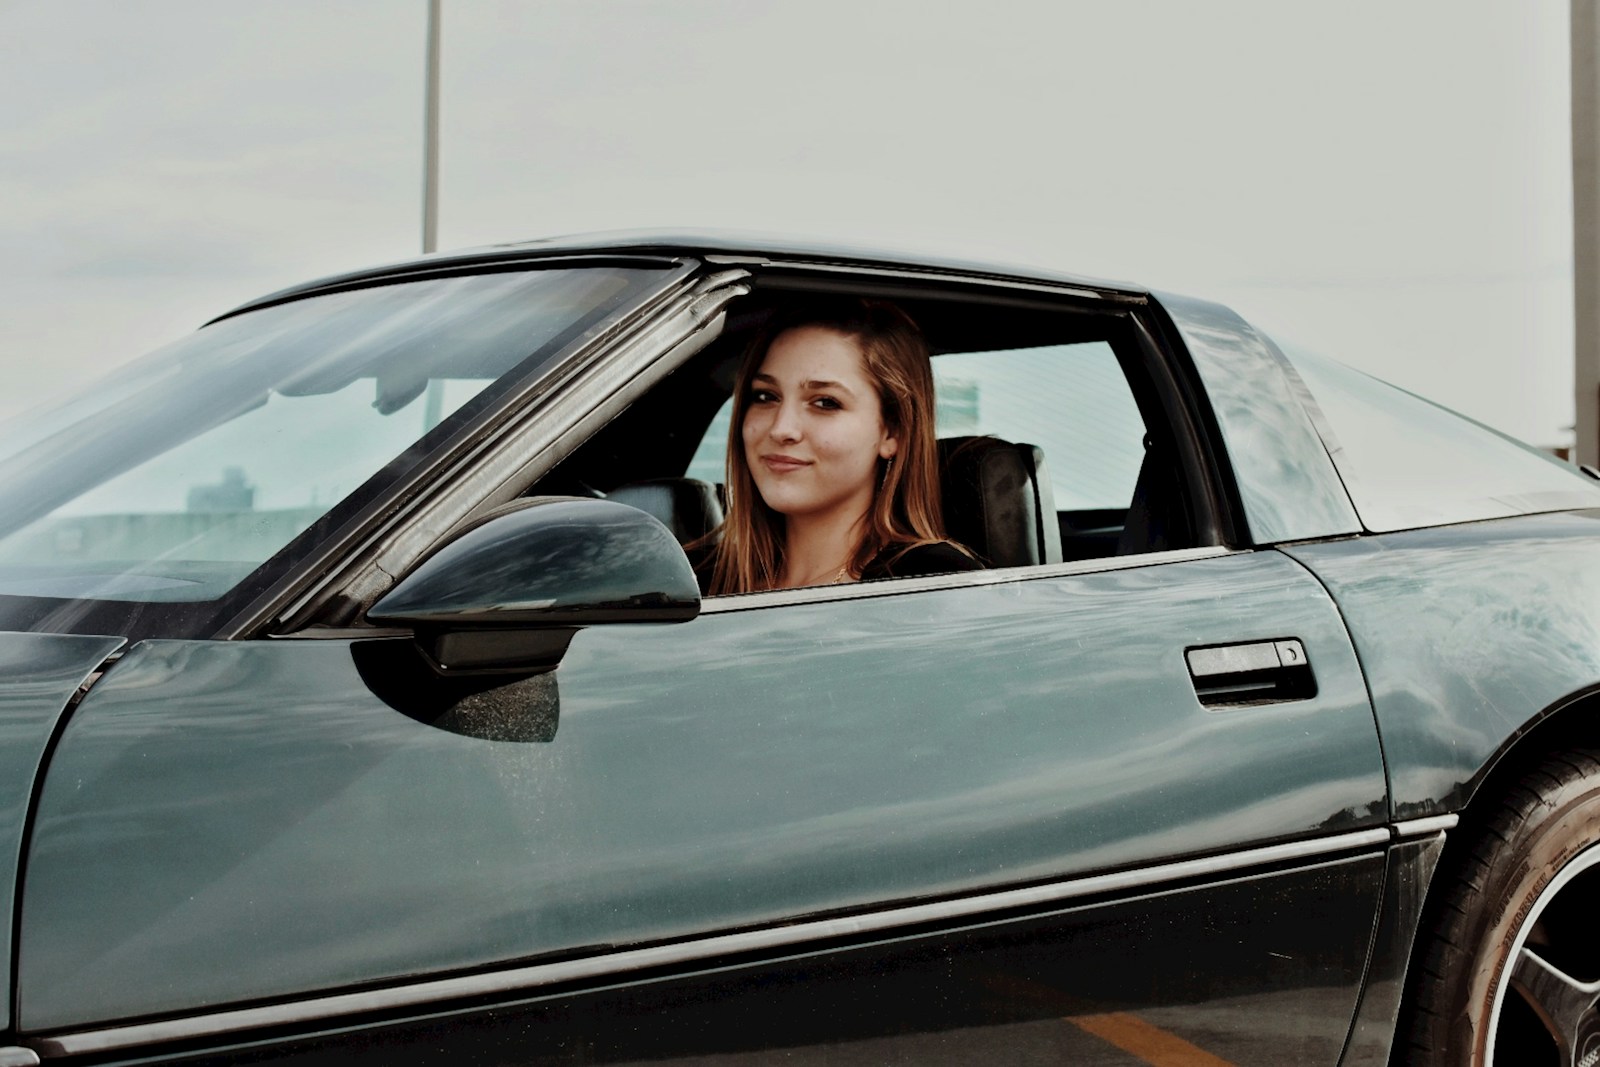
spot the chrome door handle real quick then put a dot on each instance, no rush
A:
(1256, 672)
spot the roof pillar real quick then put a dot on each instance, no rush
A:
(1586, 227)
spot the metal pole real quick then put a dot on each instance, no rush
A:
(430, 138)
(1586, 229)
(433, 403)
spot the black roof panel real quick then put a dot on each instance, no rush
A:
(698, 244)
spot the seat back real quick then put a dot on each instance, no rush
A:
(688, 507)
(998, 502)
(1157, 517)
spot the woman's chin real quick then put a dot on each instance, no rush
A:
(798, 506)
(784, 498)
(787, 505)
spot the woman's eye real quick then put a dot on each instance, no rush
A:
(827, 403)
(762, 396)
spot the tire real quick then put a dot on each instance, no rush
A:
(1512, 971)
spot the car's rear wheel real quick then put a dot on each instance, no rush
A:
(1512, 973)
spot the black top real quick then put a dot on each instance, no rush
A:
(893, 562)
(940, 558)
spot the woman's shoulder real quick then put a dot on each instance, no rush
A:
(933, 557)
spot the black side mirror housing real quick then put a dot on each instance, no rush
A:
(507, 594)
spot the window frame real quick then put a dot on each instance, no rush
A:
(1159, 377)
(882, 587)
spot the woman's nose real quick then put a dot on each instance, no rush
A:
(785, 423)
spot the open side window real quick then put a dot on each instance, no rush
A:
(1071, 387)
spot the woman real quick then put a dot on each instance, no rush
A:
(832, 465)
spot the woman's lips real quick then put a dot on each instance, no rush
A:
(781, 464)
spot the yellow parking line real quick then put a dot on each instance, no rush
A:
(1152, 1044)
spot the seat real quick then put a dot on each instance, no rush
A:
(1157, 517)
(688, 507)
(998, 501)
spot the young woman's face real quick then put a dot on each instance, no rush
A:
(813, 428)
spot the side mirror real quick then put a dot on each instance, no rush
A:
(508, 594)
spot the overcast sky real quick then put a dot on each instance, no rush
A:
(1388, 183)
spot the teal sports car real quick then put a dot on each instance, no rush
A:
(358, 703)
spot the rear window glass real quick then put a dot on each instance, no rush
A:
(1408, 462)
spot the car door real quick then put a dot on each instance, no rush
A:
(236, 823)
(1022, 814)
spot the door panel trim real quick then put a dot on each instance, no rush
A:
(818, 594)
(517, 979)
(1423, 827)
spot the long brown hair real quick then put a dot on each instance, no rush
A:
(905, 510)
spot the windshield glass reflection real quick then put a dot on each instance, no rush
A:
(179, 478)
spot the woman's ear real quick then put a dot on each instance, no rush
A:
(888, 448)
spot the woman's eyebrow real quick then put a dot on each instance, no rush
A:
(812, 384)
(824, 383)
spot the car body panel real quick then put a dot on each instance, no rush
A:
(234, 786)
(1287, 483)
(1467, 635)
(1410, 868)
(1258, 970)
(39, 673)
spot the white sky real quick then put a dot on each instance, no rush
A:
(1388, 183)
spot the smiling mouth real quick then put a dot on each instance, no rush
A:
(781, 464)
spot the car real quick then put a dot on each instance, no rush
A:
(358, 701)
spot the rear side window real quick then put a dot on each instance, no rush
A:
(1407, 462)
(1072, 401)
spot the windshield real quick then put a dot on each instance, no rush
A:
(173, 481)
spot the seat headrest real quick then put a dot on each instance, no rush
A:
(688, 507)
(998, 502)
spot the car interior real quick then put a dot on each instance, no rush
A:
(1053, 444)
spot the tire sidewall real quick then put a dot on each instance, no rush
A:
(1556, 832)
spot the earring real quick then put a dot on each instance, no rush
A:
(883, 475)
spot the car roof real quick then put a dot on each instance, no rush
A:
(698, 243)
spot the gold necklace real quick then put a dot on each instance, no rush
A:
(835, 578)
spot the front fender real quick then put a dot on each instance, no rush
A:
(38, 675)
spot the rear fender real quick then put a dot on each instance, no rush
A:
(1476, 640)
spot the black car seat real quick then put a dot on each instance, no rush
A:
(998, 501)
(689, 507)
(1157, 516)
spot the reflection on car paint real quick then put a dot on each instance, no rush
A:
(684, 792)
(1437, 616)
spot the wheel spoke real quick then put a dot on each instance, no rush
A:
(1559, 1000)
